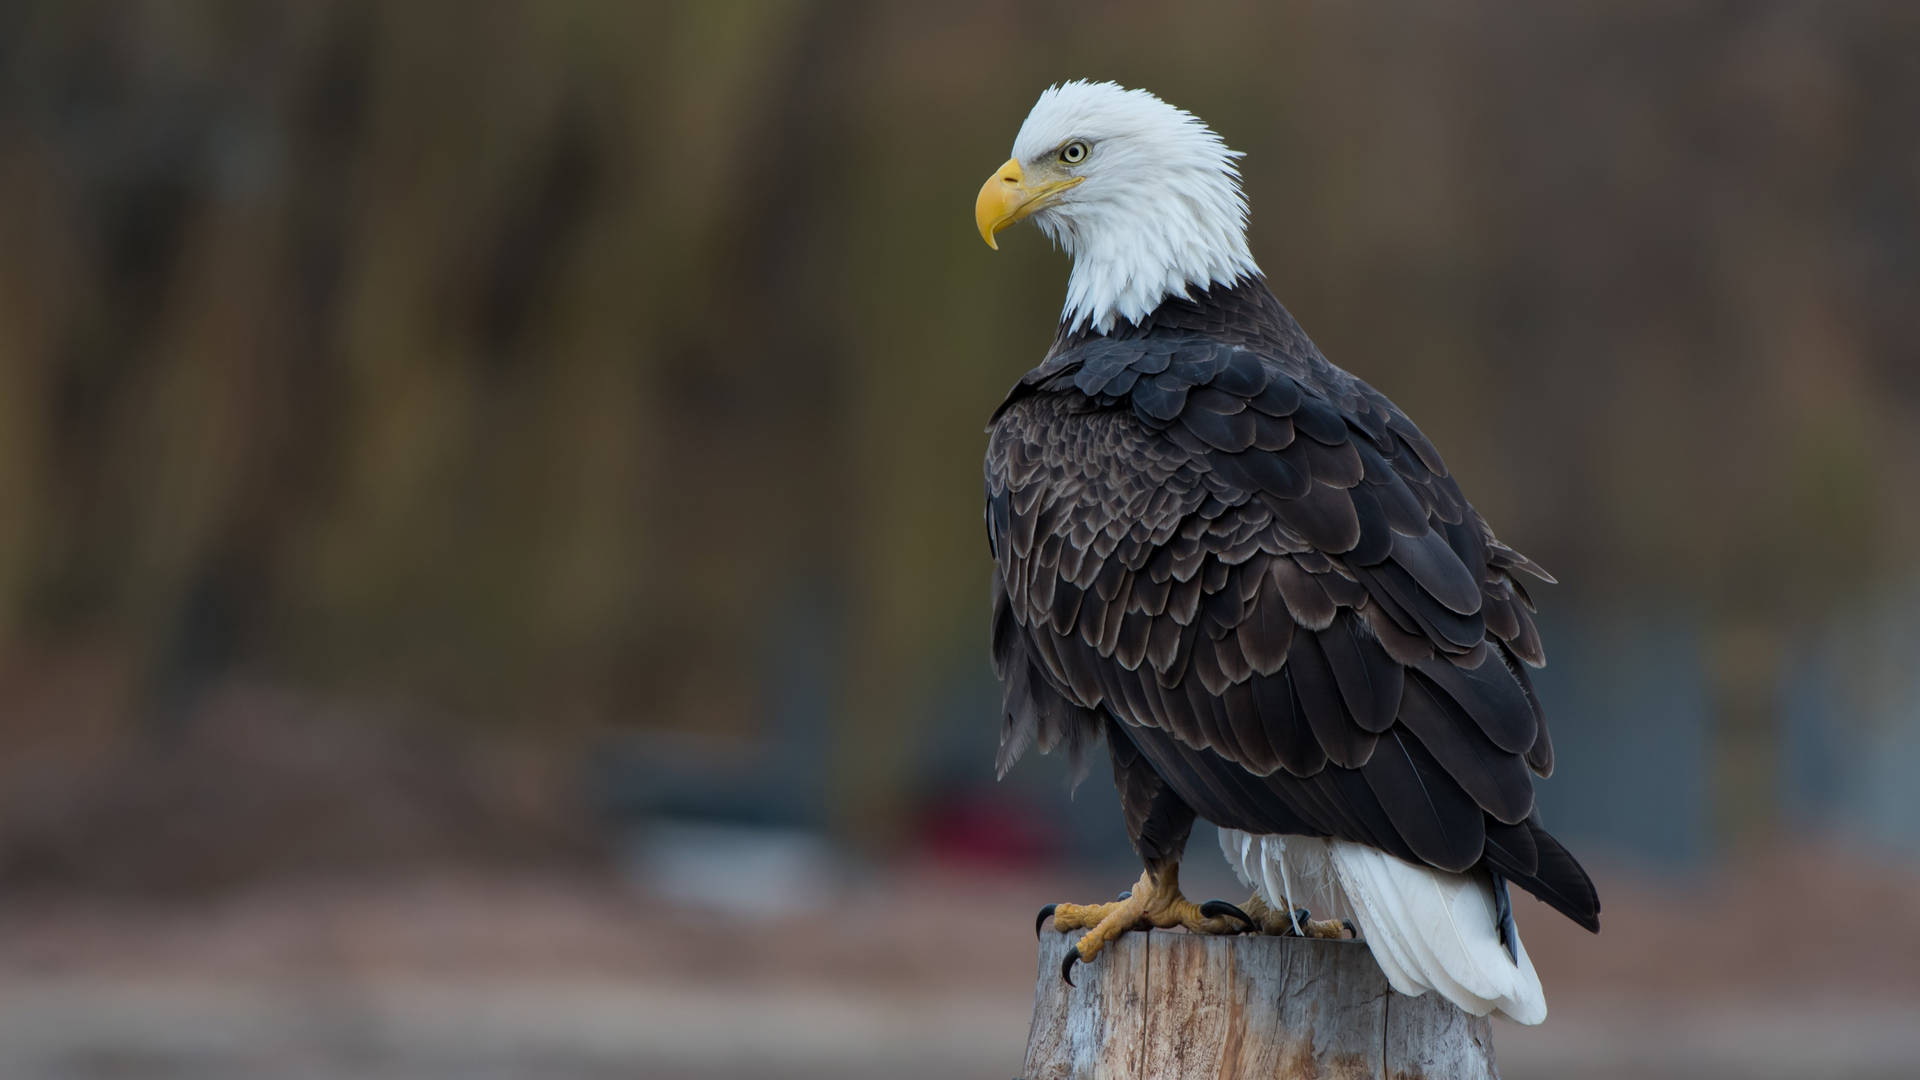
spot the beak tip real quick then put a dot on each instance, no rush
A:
(1001, 202)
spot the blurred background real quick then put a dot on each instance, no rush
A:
(492, 579)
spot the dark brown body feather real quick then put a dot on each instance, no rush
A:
(1251, 573)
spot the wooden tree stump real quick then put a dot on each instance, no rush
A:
(1168, 1005)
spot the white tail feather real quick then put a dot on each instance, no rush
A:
(1441, 929)
(1428, 929)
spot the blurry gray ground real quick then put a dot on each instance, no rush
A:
(918, 974)
(407, 1029)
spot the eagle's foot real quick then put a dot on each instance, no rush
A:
(1288, 922)
(1154, 901)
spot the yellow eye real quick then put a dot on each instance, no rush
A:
(1074, 152)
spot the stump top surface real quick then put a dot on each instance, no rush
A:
(1169, 1005)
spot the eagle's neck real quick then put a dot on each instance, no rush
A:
(1244, 312)
(1131, 256)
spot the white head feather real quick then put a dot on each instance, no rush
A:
(1159, 210)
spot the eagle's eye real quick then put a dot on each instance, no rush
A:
(1074, 152)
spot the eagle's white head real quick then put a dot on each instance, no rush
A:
(1143, 196)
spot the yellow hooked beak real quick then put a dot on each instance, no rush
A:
(1006, 198)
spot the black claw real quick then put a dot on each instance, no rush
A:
(1301, 916)
(1352, 930)
(1066, 966)
(1214, 909)
(1041, 919)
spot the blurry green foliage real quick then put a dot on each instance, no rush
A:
(544, 359)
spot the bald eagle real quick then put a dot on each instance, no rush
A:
(1250, 575)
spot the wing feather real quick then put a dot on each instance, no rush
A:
(1262, 571)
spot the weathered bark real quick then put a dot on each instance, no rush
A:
(1169, 1005)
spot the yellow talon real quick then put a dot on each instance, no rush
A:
(1154, 902)
(1282, 921)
